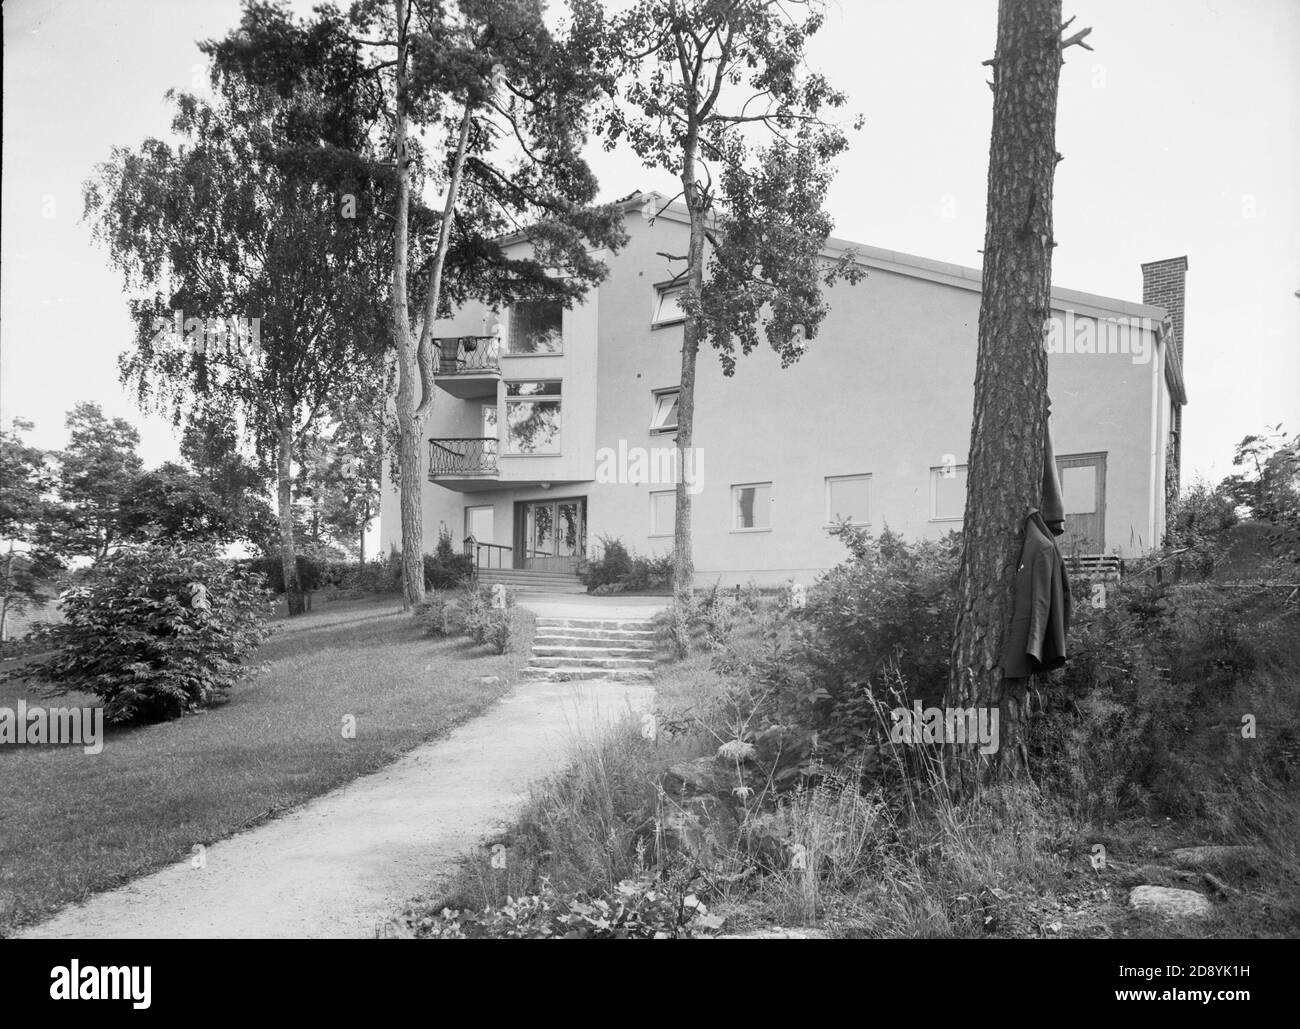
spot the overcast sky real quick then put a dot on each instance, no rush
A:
(1179, 134)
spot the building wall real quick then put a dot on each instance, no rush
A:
(885, 388)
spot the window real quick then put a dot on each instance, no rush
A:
(664, 418)
(947, 493)
(489, 421)
(751, 506)
(536, 327)
(847, 497)
(532, 417)
(1079, 488)
(668, 308)
(663, 512)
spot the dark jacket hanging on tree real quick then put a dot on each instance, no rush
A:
(1040, 618)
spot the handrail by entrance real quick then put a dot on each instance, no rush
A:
(476, 552)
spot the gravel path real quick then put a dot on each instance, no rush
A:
(342, 864)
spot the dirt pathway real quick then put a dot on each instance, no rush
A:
(343, 863)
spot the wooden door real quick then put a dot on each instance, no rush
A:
(1083, 490)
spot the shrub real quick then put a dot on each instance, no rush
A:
(612, 567)
(444, 568)
(156, 630)
(618, 570)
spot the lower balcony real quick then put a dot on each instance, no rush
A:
(467, 463)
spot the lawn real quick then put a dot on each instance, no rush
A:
(73, 824)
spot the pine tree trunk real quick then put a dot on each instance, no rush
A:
(284, 496)
(1005, 463)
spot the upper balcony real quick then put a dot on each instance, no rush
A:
(468, 367)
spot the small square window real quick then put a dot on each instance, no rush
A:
(663, 512)
(847, 497)
(948, 493)
(751, 506)
(668, 307)
(664, 417)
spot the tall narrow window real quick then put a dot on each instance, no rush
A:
(948, 493)
(536, 327)
(751, 506)
(664, 416)
(532, 417)
(663, 512)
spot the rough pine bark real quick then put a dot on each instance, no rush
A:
(1005, 462)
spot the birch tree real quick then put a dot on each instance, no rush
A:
(717, 94)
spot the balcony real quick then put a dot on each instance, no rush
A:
(468, 366)
(464, 464)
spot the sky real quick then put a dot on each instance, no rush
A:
(1179, 134)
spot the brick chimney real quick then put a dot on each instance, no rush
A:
(1164, 284)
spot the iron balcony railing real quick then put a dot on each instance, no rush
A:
(456, 457)
(460, 355)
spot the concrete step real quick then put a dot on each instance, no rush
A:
(581, 655)
(618, 624)
(536, 587)
(608, 663)
(569, 673)
(614, 635)
(645, 646)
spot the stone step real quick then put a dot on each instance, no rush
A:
(597, 633)
(534, 587)
(589, 661)
(575, 638)
(588, 643)
(507, 576)
(620, 624)
(569, 673)
(546, 655)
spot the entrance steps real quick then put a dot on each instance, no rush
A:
(528, 580)
(616, 649)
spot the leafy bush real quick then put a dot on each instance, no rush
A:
(612, 567)
(618, 570)
(469, 611)
(156, 630)
(1147, 714)
(1199, 525)
(444, 568)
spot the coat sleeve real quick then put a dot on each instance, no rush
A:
(1040, 592)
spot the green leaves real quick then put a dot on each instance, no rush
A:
(156, 631)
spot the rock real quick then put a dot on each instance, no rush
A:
(1214, 857)
(703, 775)
(1168, 902)
(490, 680)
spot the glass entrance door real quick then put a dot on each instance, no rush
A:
(555, 534)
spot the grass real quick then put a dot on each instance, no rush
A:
(73, 824)
(905, 860)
